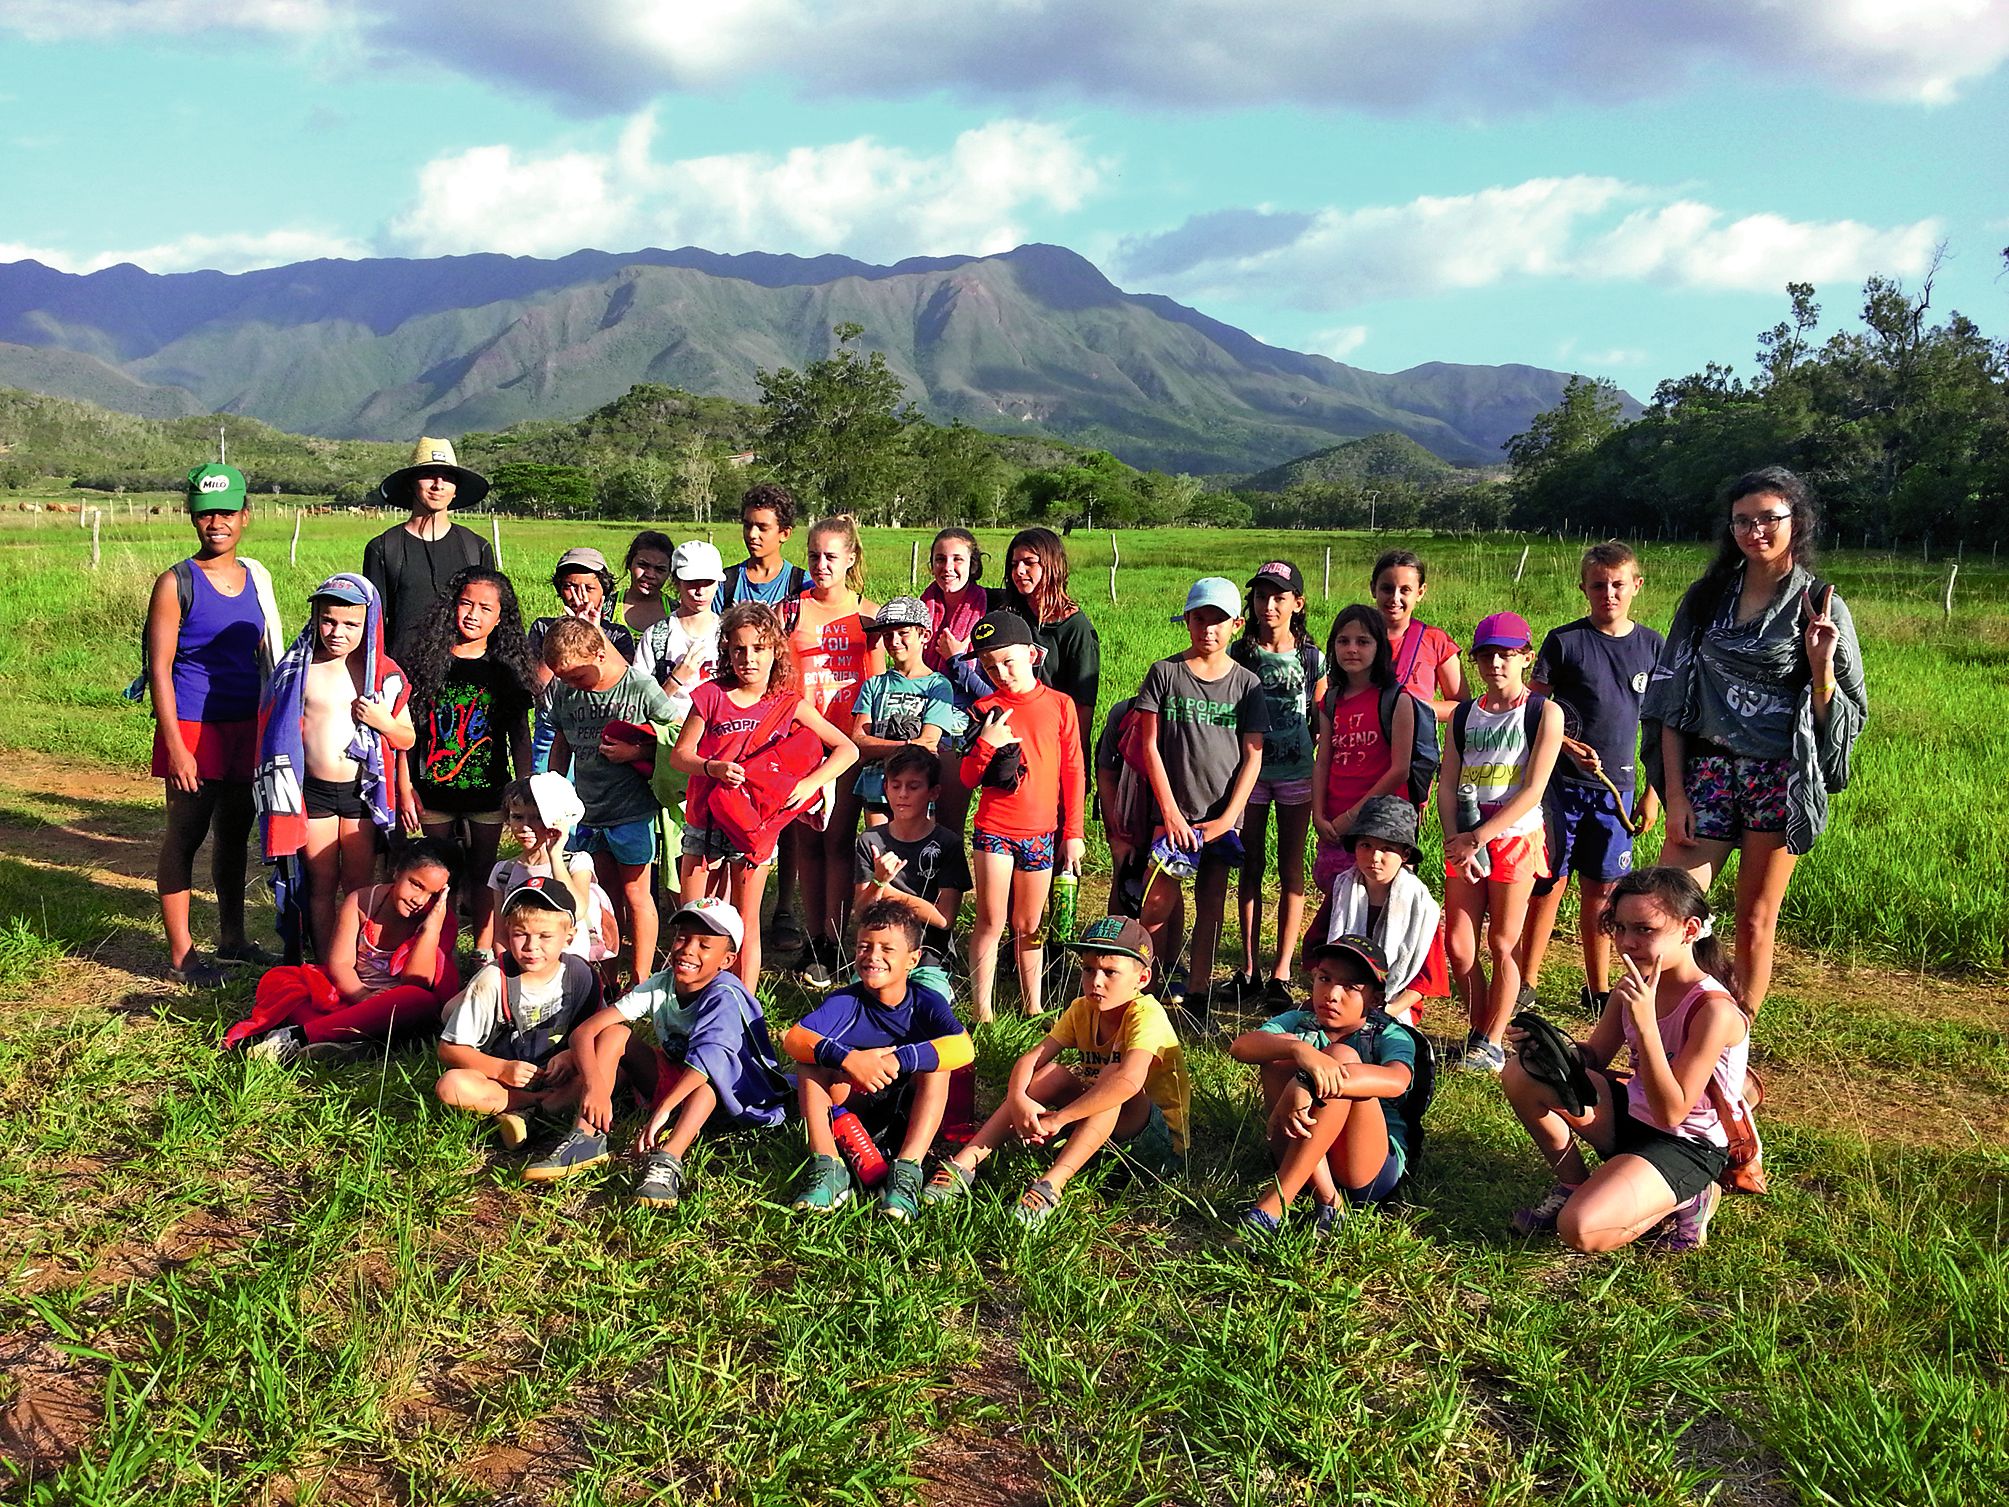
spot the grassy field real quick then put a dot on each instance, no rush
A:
(232, 1284)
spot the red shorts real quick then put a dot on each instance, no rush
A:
(1515, 858)
(223, 750)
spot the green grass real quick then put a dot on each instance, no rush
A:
(318, 1285)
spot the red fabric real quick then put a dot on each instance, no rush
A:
(303, 995)
(831, 662)
(730, 731)
(1054, 790)
(223, 750)
(752, 815)
(1360, 755)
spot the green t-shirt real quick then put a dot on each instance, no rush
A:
(611, 793)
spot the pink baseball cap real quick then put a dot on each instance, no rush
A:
(1502, 630)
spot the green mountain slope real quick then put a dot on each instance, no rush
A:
(1378, 457)
(1033, 340)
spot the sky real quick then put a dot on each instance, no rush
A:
(1618, 189)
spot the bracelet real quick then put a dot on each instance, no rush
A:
(1828, 688)
(705, 769)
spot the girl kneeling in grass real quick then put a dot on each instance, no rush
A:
(1662, 1141)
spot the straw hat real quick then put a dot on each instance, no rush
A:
(434, 455)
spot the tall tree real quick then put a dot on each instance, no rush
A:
(831, 431)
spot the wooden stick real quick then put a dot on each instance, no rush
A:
(1115, 559)
(495, 537)
(1524, 561)
(1951, 576)
(98, 517)
(1328, 572)
(914, 566)
(293, 556)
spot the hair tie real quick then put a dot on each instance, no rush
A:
(1708, 928)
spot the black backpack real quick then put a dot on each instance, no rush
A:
(184, 595)
(1425, 754)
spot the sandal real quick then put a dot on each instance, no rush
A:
(1037, 1203)
(950, 1181)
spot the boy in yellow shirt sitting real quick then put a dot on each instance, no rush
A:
(1127, 1085)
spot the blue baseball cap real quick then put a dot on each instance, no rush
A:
(339, 589)
(1212, 591)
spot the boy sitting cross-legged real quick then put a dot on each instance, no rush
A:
(1128, 1086)
(1333, 1080)
(885, 1044)
(504, 1045)
(712, 1061)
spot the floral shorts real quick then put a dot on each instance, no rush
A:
(1029, 855)
(1733, 795)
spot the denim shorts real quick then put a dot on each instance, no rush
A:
(630, 843)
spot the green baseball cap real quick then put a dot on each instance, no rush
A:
(216, 488)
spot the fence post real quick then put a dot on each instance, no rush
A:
(1115, 559)
(1328, 572)
(495, 537)
(914, 566)
(293, 555)
(1951, 576)
(1524, 562)
(98, 517)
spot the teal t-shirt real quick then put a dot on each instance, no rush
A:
(897, 706)
(1289, 746)
(1393, 1044)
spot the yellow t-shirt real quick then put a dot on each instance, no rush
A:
(1103, 1036)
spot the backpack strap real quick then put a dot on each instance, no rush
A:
(1458, 720)
(1412, 645)
(1531, 718)
(184, 586)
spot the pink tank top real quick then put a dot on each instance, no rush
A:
(1702, 1122)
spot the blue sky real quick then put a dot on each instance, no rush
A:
(1622, 190)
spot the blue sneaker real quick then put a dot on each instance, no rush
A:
(577, 1151)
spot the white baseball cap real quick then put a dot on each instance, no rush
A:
(713, 915)
(696, 561)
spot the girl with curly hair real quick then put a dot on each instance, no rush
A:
(473, 684)
(759, 750)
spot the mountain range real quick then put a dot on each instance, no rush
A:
(1030, 340)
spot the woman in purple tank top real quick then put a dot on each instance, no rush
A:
(1662, 1145)
(205, 669)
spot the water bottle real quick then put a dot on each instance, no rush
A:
(1060, 906)
(1469, 817)
(855, 1144)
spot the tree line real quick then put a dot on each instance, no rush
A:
(1901, 424)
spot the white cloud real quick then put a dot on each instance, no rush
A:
(862, 197)
(1585, 228)
(224, 253)
(1391, 56)
(1339, 343)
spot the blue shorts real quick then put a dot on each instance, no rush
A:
(1587, 836)
(1384, 1181)
(631, 843)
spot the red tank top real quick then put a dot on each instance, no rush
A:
(830, 659)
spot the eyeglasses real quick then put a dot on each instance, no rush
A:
(1764, 522)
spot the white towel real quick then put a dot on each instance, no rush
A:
(1408, 923)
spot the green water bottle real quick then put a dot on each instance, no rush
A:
(1060, 905)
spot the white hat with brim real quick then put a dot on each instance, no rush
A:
(433, 455)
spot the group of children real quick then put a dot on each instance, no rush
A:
(787, 721)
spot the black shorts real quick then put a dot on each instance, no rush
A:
(334, 798)
(1688, 1166)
